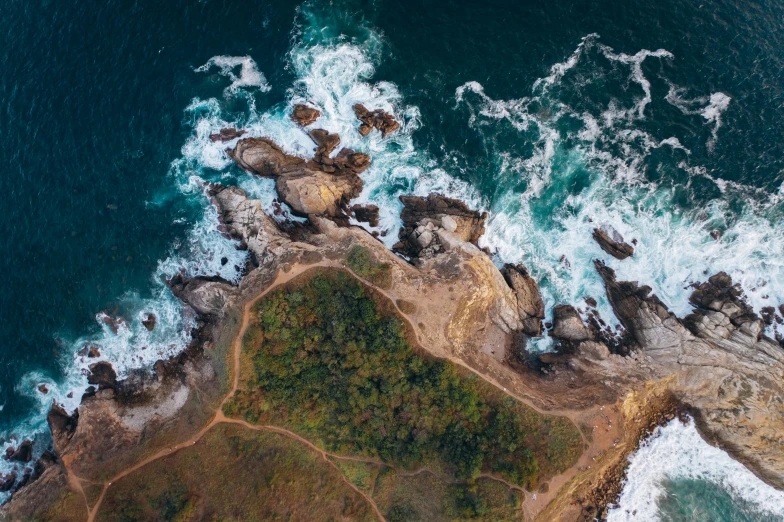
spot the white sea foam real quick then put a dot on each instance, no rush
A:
(677, 451)
(249, 74)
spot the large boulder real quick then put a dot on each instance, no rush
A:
(207, 295)
(227, 134)
(102, 374)
(612, 242)
(568, 325)
(22, 453)
(304, 115)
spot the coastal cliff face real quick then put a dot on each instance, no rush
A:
(459, 305)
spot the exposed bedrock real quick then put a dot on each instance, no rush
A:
(306, 186)
(721, 364)
(611, 242)
(530, 306)
(568, 325)
(376, 119)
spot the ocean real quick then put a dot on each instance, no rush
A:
(662, 120)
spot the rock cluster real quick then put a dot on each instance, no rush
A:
(435, 224)
(376, 119)
(317, 188)
(612, 242)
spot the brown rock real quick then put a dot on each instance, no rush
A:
(304, 115)
(102, 374)
(7, 482)
(530, 305)
(149, 323)
(43, 389)
(62, 425)
(227, 134)
(612, 243)
(93, 351)
(377, 119)
(366, 214)
(24, 453)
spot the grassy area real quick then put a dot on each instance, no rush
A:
(321, 358)
(361, 260)
(235, 474)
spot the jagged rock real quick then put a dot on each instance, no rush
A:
(149, 323)
(366, 214)
(7, 482)
(376, 119)
(23, 453)
(102, 374)
(227, 135)
(530, 305)
(43, 389)
(44, 462)
(305, 186)
(612, 242)
(325, 144)
(568, 325)
(768, 315)
(304, 115)
(62, 425)
(93, 352)
(447, 222)
(206, 295)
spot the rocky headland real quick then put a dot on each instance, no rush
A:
(716, 363)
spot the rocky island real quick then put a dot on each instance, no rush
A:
(342, 380)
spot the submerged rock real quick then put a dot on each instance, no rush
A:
(376, 119)
(304, 115)
(227, 134)
(612, 242)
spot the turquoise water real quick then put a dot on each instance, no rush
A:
(662, 120)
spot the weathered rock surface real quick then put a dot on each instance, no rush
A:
(569, 326)
(530, 305)
(62, 424)
(227, 135)
(102, 374)
(435, 224)
(305, 186)
(304, 115)
(376, 119)
(206, 295)
(612, 242)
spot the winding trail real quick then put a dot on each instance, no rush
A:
(219, 418)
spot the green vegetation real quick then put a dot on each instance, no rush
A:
(323, 360)
(361, 261)
(235, 474)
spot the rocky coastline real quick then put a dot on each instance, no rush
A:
(716, 363)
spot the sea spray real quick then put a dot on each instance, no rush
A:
(676, 453)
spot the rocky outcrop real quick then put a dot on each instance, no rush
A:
(376, 119)
(206, 295)
(62, 425)
(568, 325)
(305, 186)
(102, 374)
(530, 305)
(435, 224)
(304, 115)
(612, 242)
(22, 453)
(227, 134)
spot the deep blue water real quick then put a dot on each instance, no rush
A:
(663, 120)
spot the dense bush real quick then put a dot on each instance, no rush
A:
(327, 363)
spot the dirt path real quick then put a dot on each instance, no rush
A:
(219, 418)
